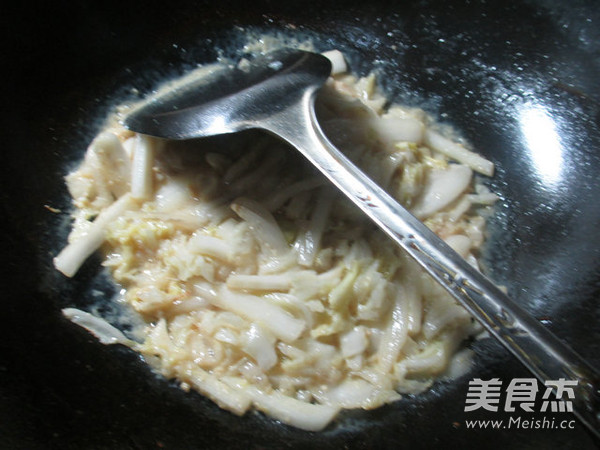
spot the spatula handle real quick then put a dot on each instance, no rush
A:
(535, 346)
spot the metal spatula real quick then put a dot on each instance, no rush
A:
(276, 93)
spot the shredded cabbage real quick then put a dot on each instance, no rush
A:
(260, 285)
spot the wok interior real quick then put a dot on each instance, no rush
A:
(523, 91)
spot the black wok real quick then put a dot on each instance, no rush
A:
(478, 65)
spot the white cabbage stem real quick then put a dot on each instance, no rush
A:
(211, 246)
(338, 63)
(277, 282)
(114, 162)
(263, 223)
(279, 198)
(459, 153)
(353, 342)
(70, 259)
(443, 187)
(260, 345)
(395, 335)
(306, 416)
(460, 243)
(392, 129)
(100, 328)
(275, 319)
(141, 169)
(308, 243)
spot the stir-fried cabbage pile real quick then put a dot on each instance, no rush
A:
(262, 286)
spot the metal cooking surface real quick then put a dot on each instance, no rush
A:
(520, 82)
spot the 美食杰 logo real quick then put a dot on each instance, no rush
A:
(521, 395)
